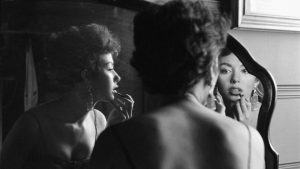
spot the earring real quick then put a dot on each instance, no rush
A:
(90, 104)
(254, 100)
(211, 101)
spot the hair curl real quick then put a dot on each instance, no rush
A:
(176, 44)
(70, 51)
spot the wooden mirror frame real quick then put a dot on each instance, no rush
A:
(269, 98)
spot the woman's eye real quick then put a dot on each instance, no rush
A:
(244, 71)
(224, 71)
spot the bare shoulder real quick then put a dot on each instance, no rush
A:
(20, 140)
(100, 120)
(27, 122)
(244, 143)
(257, 149)
(244, 133)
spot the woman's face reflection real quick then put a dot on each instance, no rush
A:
(234, 80)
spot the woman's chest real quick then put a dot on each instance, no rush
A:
(69, 141)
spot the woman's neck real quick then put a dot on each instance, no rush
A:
(192, 97)
(199, 91)
(72, 107)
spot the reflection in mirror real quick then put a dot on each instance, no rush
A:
(68, 124)
(27, 25)
(241, 92)
(268, 86)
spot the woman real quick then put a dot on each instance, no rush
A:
(61, 133)
(239, 89)
(177, 45)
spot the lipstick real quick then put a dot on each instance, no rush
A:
(119, 94)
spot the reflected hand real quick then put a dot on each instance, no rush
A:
(123, 106)
(216, 103)
(243, 107)
(220, 107)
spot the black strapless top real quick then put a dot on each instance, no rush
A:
(41, 160)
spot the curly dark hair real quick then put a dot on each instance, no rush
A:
(70, 51)
(175, 44)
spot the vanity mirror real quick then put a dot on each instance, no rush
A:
(241, 91)
(27, 24)
(268, 100)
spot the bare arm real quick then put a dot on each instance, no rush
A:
(19, 142)
(101, 122)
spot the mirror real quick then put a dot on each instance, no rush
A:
(241, 91)
(268, 101)
(27, 24)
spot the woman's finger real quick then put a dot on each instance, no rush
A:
(246, 107)
(243, 105)
(130, 104)
(124, 104)
(124, 117)
(129, 98)
(239, 115)
(211, 102)
(125, 97)
(220, 107)
(219, 99)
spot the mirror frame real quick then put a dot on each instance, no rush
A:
(269, 98)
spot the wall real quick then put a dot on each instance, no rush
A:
(279, 52)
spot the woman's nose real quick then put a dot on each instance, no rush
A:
(117, 78)
(235, 78)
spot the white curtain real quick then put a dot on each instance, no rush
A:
(31, 88)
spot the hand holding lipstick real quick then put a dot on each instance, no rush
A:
(243, 107)
(220, 107)
(216, 103)
(123, 104)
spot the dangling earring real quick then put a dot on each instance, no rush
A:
(254, 100)
(90, 103)
(211, 101)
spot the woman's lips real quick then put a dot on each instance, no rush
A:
(235, 91)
